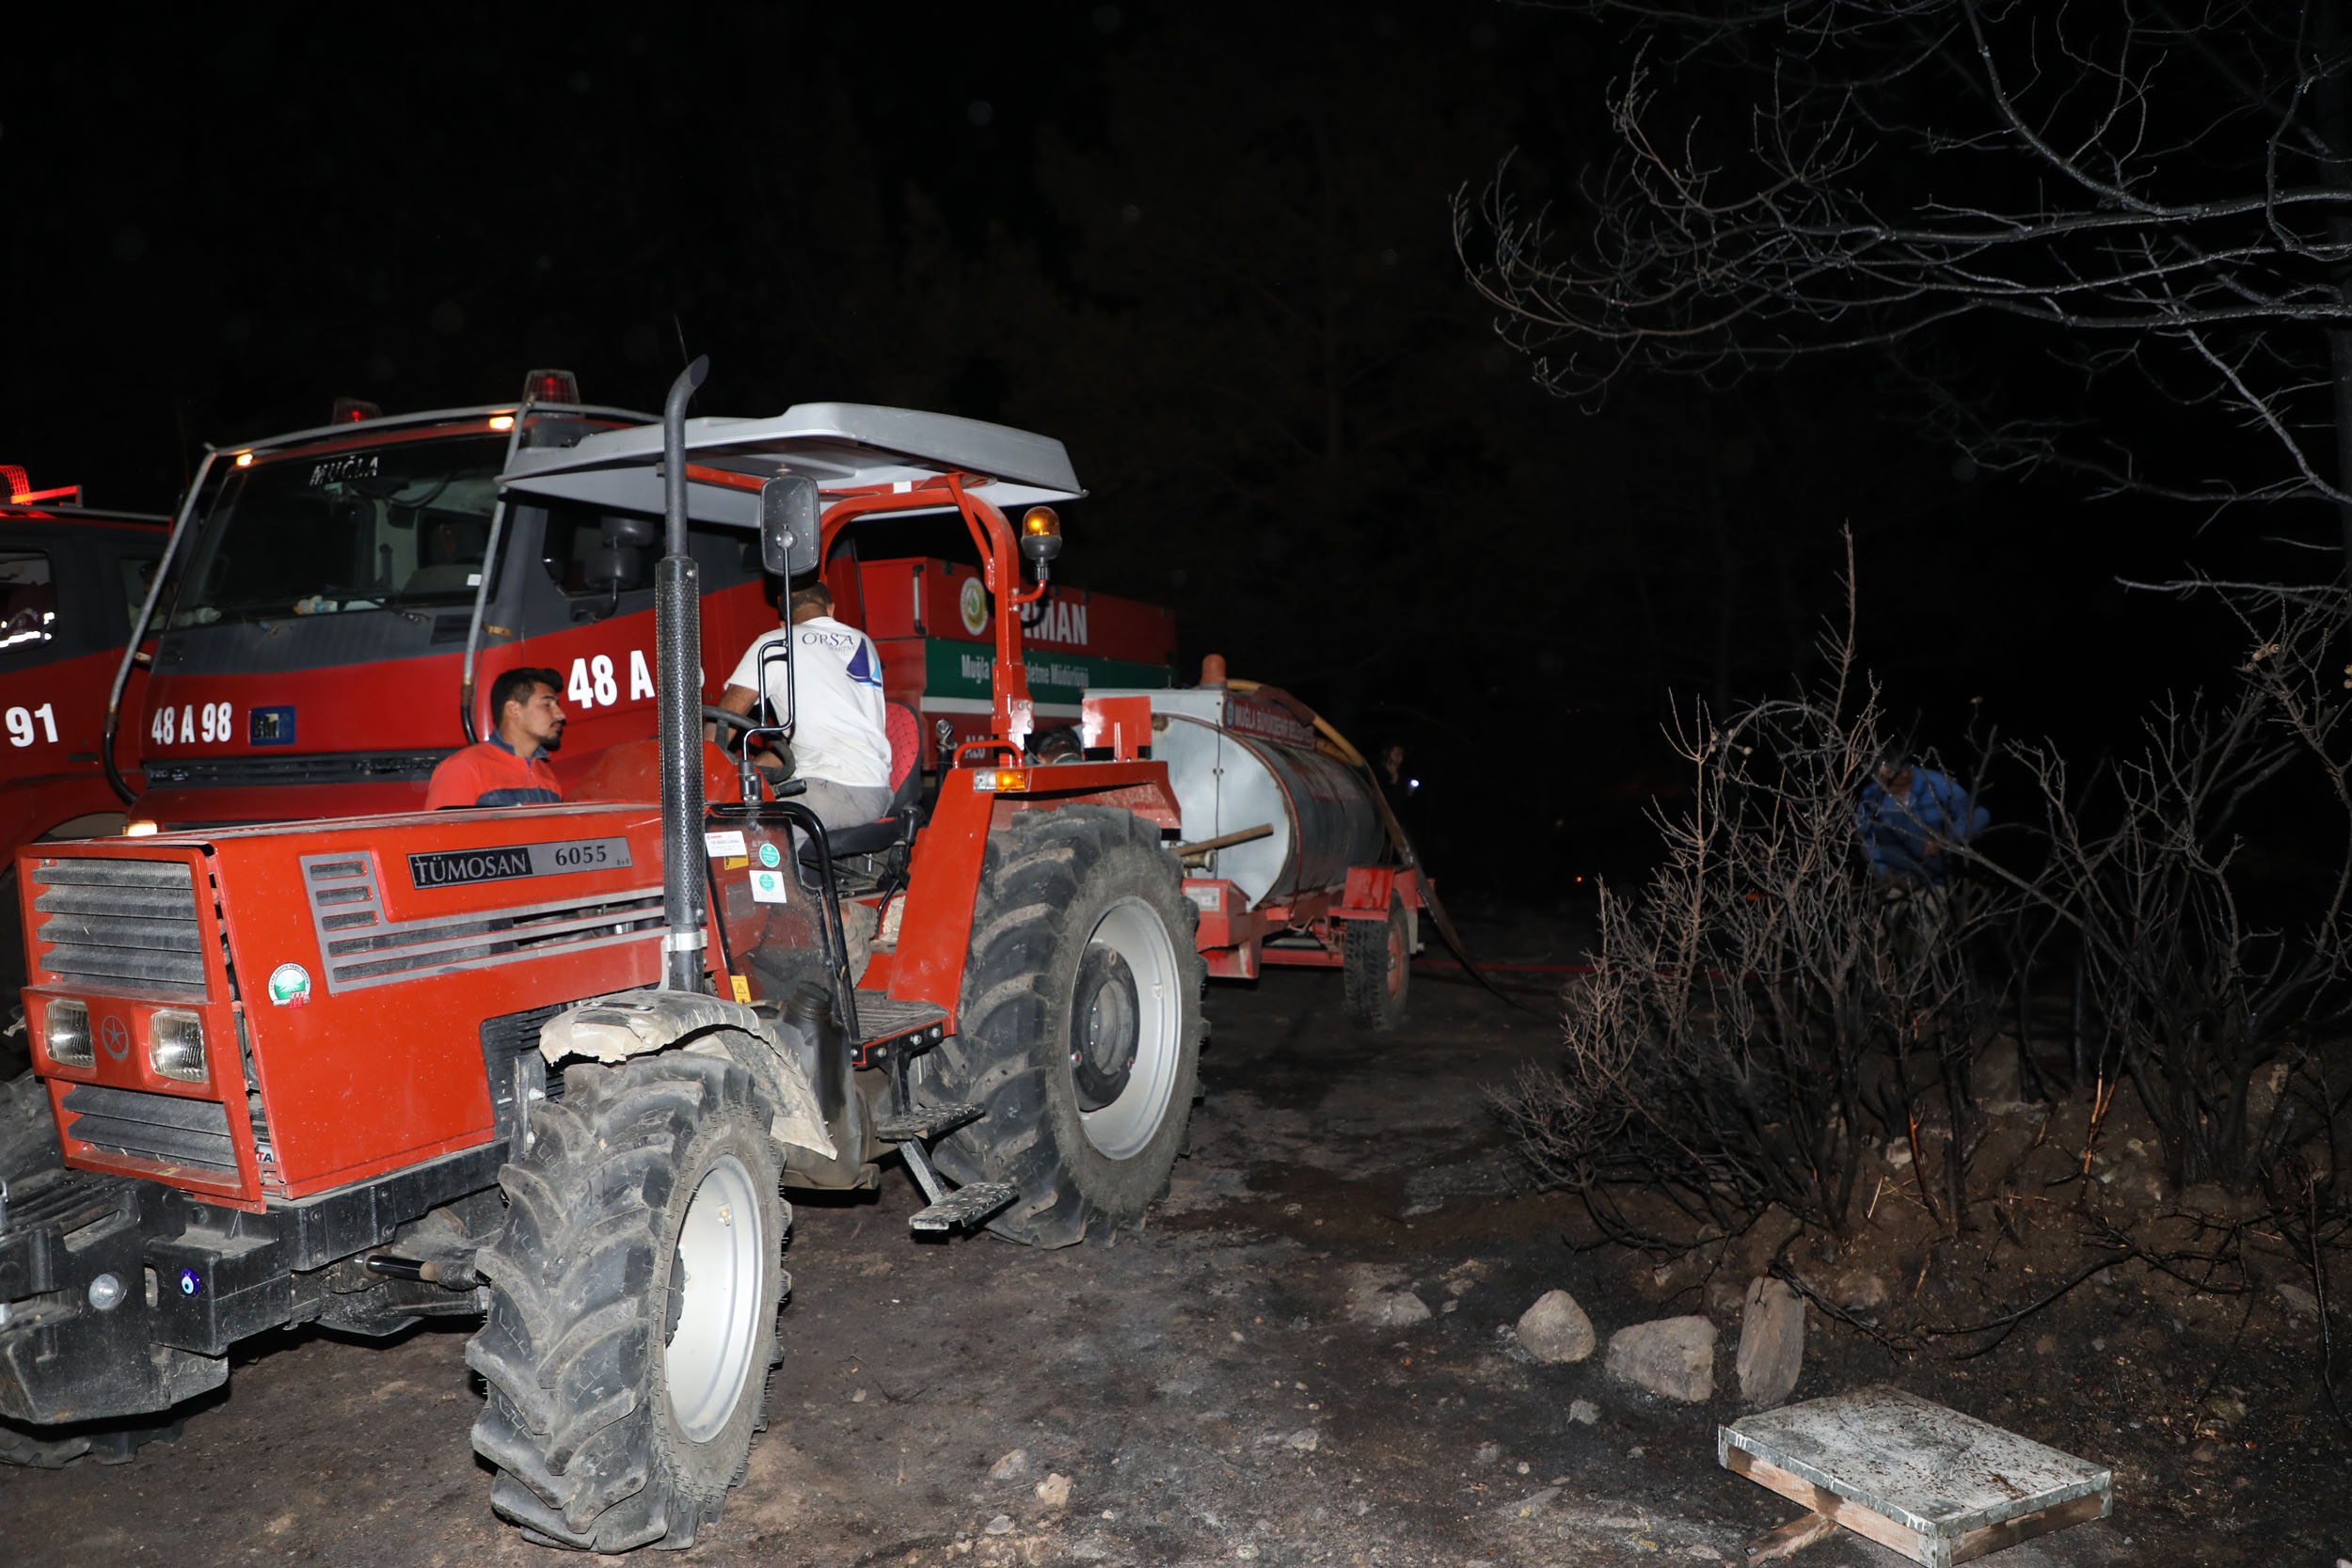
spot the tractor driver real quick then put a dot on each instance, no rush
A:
(840, 734)
(511, 768)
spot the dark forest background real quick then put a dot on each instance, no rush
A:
(1208, 246)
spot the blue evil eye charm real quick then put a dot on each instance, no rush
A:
(191, 1283)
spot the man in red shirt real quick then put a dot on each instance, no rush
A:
(510, 769)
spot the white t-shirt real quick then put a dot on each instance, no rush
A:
(839, 730)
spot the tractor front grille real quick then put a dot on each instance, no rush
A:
(364, 946)
(121, 919)
(185, 1132)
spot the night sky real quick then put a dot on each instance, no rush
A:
(1207, 246)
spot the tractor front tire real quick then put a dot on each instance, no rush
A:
(1080, 1024)
(1376, 966)
(634, 1291)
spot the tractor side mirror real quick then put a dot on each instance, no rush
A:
(788, 525)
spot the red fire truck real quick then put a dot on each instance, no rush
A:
(932, 621)
(345, 597)
(71, 582)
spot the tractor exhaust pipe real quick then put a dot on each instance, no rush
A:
(677, 635)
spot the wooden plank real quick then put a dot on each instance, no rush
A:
(1994, 1538)
(1791, 1538)
(1828, 1504)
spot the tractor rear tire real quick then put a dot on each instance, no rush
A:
(1080, 1024)
(634, 1291)
(1378, 969)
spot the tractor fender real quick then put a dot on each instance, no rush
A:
(641, 1023)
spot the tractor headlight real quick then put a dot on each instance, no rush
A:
(65, 1031)
(175, 1045)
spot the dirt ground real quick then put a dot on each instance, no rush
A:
(1210, 1395)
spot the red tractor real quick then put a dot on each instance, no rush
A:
(552, 1064)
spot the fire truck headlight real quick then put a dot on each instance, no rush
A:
(175, 1045)
(65, 1030)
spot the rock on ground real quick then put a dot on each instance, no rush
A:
(1771, 1342)
(1583, 1412)
(1013, 1467)
(1053, 1491)
(1388, 1308)
(1859, 1291)
(1672, 1357)
(1556, 1329)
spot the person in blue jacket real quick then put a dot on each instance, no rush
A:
(1908, 817)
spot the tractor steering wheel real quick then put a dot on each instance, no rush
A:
(727, 719)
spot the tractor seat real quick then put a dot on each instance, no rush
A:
(897, 826)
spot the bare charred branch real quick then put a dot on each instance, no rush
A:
(2158, 192)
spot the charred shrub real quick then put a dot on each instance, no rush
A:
(1766, 1002)
(2207, 882)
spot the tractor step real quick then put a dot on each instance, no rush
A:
(965, 1206)
(886, 1024)
(927, 1123)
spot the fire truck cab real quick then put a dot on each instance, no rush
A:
(342, 597)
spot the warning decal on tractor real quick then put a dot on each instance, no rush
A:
(458, 867)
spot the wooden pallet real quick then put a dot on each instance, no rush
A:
(1931, 1484)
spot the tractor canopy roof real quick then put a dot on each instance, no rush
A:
(843, 445)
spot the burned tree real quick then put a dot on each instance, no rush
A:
(2160, 193)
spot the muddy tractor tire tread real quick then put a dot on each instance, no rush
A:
(1045, 879)
(1377, 970)
(579, 1423)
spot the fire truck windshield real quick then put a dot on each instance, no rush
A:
(356, 528)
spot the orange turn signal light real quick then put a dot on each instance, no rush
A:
(1000, 781)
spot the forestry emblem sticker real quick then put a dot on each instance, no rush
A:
(290, 985)
(973, 604)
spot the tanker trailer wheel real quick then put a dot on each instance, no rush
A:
(633, 1304)
(1378, 969)
(1080, 1024)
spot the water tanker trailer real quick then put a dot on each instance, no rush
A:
(1289, 852)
